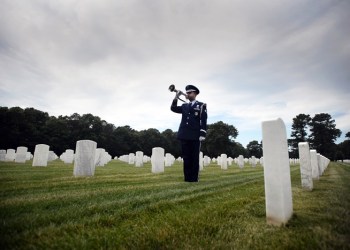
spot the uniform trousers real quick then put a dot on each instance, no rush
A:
(190, 155)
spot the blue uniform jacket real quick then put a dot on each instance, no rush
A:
(194, 120)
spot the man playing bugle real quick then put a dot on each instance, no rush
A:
(192, 130)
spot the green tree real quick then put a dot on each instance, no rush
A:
(33, 132)
(22, 127)
(220, 139)
(343, 148)
(171, 143)
(148, 139)
(299, 133)
(105, 137)
(347, 135)
(254, 148)
(58, 134)
(125, 141)
(323, 134)
(238, 149)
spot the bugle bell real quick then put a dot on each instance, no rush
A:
(179, 92)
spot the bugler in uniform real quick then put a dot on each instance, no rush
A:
(192, 131)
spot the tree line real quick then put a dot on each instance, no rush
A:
(321, 133)
(29, 127)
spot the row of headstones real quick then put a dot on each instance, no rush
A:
(42, 155)
(138, 159)
(277, 180)
(344, 161)
(168, 159)
(312, 165)
(21, 155)
(101, 157)
(224, 162)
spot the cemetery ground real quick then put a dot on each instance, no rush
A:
(124, 207)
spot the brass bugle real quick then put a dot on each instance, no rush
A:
(179, 92)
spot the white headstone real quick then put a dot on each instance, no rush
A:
(240, 161)
(2, 154)
(218, 160)
(29, 156)
(253, 161)
(52, 156)
(314, 164)
(84, 164)
(157, 160)
(124, 158)
(201, 161)
(206, 161)
(99, 157)
(327, 161)
(168, 160)
(223, 161)
(322, 163)
(305, 165)
(261, 161)
(278, 189)
(319, 163)
(10, 155)
(139, 159)
(229, 161)
(146, 159)
(69, 156)
(41, 155)
(21, 154)
(131, 158)
(105, 158)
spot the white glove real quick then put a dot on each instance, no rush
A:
(201, 138)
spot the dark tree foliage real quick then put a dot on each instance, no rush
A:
(347, 135)
(254, 148)
(299, 133)
(171, 144)
(238, 149)
(29, 127)
(343, 149)
(149, 139)
(323, 135)
(220, 140)
(22, 127)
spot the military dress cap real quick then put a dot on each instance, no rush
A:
(191, 88)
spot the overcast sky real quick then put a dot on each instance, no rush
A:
(252, 60)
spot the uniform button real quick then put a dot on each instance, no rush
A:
(188, 118)
(187, 123)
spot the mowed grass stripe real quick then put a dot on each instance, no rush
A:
(123, 194)
(121, 184)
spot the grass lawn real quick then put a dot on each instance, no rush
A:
(124, 207)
